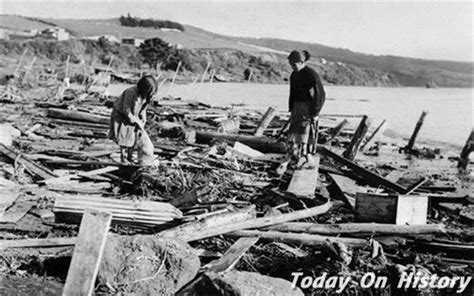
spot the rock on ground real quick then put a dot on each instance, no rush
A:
(242, 283)
(147, 265)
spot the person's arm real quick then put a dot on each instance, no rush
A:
(319, 96)
(290, 100)
(142, 115)
(130, 104)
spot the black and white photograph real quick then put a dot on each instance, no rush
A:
(236, 148)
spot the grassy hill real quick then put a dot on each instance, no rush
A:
(343, 66)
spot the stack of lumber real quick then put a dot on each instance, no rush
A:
(129, 212)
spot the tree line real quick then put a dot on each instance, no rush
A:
(130, 21)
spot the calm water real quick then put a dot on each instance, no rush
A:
(449, 116)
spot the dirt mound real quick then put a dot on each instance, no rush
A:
(146, 265)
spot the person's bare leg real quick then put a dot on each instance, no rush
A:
(130, 154)
(122, 153)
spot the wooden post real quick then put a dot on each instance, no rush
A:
(468, 148)
(202, 80)
(411, 143)
(232, 256)
(87, 253)
(378, 130)
(334, 132)
(19, 62)
(174, 78)
(28, 70)
(266, 119)
(353, 147)
(67, 67)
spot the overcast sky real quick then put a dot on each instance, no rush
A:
(441, 30)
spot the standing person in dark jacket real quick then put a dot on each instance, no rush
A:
(307, 98)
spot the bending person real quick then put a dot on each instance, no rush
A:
(129, 115)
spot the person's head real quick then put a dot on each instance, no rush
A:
(297, 59)
(147, 87)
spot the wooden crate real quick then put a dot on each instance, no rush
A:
(392, 209)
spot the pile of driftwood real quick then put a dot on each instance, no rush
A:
(217, 187)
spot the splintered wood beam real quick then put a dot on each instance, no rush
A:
(353, 147)
(411, 143)
(34, 168)
(266, 119)
(87, 254)
(299, 238)
(232, 256)
(357, 228)
(38, 243)
(380, 129)
(77, 116)
(369, 177)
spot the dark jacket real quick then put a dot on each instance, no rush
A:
(305, 85)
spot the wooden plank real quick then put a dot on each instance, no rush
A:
(35, 169)
(7, 198)
(77, 116)
(335, 131)
(17, 211)
(304, 181)
(297, 252)
(246, 150)
(358, 228)
(376, 208)
(415, 186)
(87, 253)
(195, 231)
(266, 119)
(107, 169)
(357, 138)
(232, 256)
(369, 177)
(412, 210)
(299, 238)
(378, 131)
(38, 243)
(341, 187)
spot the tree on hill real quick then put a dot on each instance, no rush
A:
(156, 52)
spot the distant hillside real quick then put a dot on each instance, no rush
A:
(336, 65)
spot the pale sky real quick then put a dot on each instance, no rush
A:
(423, 29)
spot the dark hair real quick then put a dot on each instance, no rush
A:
(299, 56)
(307, 55)
(147, 87)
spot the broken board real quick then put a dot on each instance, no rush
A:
(304, 181)
(87, 253)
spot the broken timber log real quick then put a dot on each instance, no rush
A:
(466, 151)
(38, 243)
(335, 131)
(263, 144)
(299, 238)
(369, 177)
(411, 143)
(266, 119)
(34, 168)
(198, 230)
(87, 254)
(372, 136)
(359, 135)
(358, 228)
(232, 255)
(77, 116)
